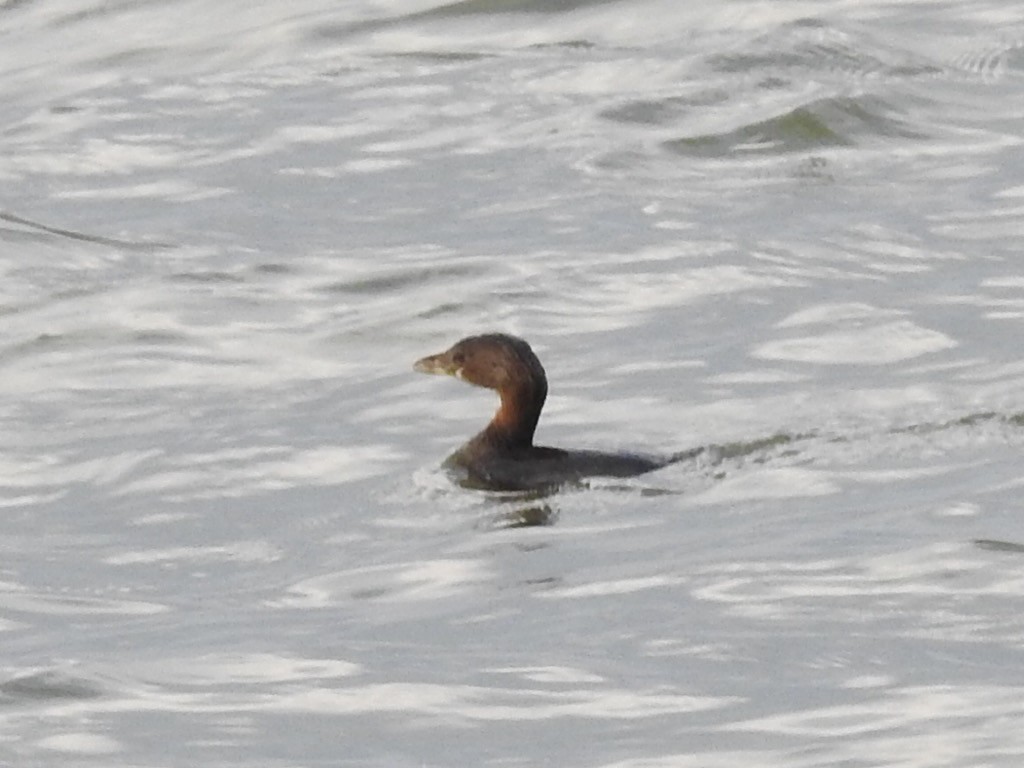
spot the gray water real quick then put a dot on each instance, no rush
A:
(789, 231)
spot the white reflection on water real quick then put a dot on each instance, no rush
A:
(454, 703)
(19, 598)
(247, 669)
(414, 582)
(242, 472)
(241, 551)
(914, 726)
(781, 483)
(80, 743)
(874, 344)
(448, 704)
(871, 590)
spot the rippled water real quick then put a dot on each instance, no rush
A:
(787, 233)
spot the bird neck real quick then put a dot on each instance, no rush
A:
(516, 420)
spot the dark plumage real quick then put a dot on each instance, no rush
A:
(503, 456)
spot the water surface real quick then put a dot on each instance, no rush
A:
(786, 233)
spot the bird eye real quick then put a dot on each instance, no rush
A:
(458, 358)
